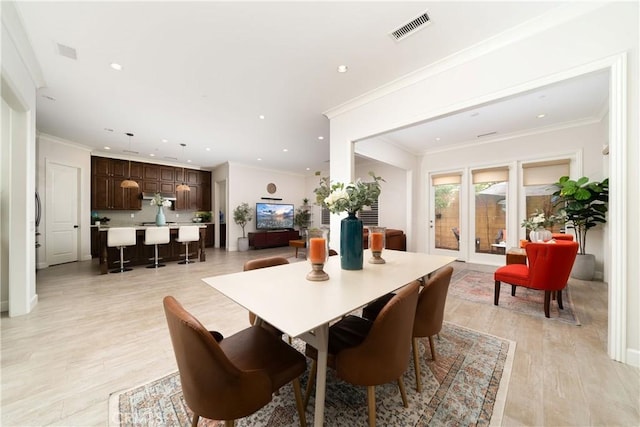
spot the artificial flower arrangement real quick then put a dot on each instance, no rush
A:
(352, 197)
(540, 220)
(158, 200)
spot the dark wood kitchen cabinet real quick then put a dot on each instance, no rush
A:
(106, 177)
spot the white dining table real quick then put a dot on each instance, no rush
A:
(300, 308)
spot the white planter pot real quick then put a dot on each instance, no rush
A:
(243, 244)
(584, 267)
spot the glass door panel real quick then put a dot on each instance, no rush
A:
(447, 216)
(490, 217)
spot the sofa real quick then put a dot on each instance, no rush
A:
(394, 239)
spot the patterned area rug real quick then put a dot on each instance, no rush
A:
(479, 286)
(466, 386)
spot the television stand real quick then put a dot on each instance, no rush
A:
(272, 238)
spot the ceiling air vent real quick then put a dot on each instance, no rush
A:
(67, 51)
(410, 27)
(486, 134)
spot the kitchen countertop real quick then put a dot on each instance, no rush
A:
(142, 227)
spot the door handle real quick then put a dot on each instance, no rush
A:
(75, 226)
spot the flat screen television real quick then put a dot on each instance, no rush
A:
(274, 216)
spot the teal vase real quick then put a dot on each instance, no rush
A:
(351, 243)
(160, 219)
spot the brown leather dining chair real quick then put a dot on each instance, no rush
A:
(371, 353)
(232, 378)
(255, 264)
(429, 314)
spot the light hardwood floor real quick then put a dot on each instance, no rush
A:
(93, 335)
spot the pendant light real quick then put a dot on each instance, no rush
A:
(183, 186)
(129, 183)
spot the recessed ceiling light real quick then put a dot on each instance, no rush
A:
(285, 150)
(321, 138)
(208, 149)
(107, 148)
(116, 66)
(343, 68)
(259, 159)
(438, 139)
(261, 117)
(308, 169)
(152, 155)
(188, 161)
(165, 140)
(541, 115)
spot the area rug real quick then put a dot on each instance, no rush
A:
(478, 286)
(466, 386)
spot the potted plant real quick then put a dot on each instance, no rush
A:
(242, 214)
(585, 205)
(302, 217)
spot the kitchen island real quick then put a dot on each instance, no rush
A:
(140, 254)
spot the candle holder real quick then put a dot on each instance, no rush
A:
(317, 254)
(377, 237)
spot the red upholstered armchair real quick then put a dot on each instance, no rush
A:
(548, 269)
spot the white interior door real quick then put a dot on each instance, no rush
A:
(62, 214)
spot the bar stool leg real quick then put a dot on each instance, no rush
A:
(155, 259)
(121, 269)
(186, 255)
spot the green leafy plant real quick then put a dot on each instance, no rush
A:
(242, 214)
(352, 197)
(584, 204)
(302, 217)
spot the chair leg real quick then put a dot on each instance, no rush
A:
(121, 268)
(403, 393)
(298, 394)
(229, 423)
(371, 403)
(310, 383)
(559, 296)
(432, 346)
(513, 290)
(547, 302)
(194, 422)
(496, 293)
(416, 364)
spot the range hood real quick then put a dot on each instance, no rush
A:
(168, 196)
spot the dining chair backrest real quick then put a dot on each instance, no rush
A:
(383, 356)
(156, 235)
(212, 385)
(431, 303)
(264, 262)
(188, 233)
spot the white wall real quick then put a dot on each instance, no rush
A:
(563, 45)
(19, 93)
(249, 184)
(55, 150)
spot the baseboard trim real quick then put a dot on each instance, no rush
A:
(633, 357)
(4, 306)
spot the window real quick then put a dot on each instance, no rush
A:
(491, 187)
(538, 179)
(446, 202)
(369, 216)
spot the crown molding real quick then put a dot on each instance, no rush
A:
(13, 24)
(550, 19)
(58, 140)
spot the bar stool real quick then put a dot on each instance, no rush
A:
(187, 234)
(120, 237)
(156, 236)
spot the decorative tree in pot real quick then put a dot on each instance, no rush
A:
(585, 205)
(302, 218)
(242, 214)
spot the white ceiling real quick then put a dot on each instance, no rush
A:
(201, 73)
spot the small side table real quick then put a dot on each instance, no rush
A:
(298, 244)
(516, 256)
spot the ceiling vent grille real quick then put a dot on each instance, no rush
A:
(67, 51)
(410, 27)
(486, 134)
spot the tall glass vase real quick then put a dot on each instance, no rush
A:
(351, 243)
(160, 219)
